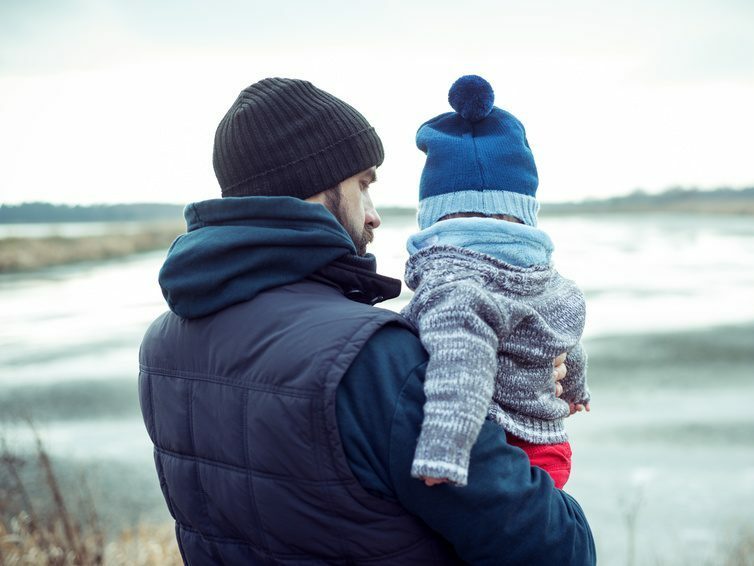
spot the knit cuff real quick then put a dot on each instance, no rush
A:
(444, 451)
(575, 392)
(581, 398)
(487, 202)
(532, 429)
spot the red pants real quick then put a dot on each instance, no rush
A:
(555, 459)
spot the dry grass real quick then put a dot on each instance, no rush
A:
(741, 551)
(47, 532)
(145, 545)
(44, 530)
(25, 254)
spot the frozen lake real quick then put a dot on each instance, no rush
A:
(670, 332)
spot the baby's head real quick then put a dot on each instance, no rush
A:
(506, 217)
(478, 160)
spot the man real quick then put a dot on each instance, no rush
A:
(284, 407)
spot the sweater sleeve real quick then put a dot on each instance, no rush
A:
(509, 513)
(460, 325)
(575, 389)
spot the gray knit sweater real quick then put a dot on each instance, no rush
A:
(492, 331)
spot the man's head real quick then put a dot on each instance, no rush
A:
(286, 137)
(351, 204)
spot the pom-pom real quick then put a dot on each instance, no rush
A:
(472, 97)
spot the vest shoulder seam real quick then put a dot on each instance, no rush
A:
(224, 380)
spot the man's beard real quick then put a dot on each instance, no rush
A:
(360, 235)
(365, 238)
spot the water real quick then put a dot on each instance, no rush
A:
(642, 273)
(670, 332)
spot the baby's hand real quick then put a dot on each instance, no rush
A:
(434, 481)
(578, 407)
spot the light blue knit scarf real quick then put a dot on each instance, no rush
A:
(516, 244)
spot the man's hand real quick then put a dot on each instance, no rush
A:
(559, 372)
(434, 481)
(578, 407)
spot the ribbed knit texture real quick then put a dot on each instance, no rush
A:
(523, 207)
(286, 137)
(492, 331)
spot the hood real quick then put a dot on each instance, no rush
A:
(235, 248)
(516, 244)
(444, 264)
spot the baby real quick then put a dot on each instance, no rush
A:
(491, 310)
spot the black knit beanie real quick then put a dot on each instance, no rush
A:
(286, 137)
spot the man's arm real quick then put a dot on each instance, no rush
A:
(509, 513)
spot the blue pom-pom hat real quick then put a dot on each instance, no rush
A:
(478, 159)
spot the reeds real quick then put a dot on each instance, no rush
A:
(25, 254)
(740, 552)
(44, 529)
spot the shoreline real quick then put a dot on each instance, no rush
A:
(113, 240)
(18, 254)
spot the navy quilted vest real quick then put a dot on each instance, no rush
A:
(240, 406)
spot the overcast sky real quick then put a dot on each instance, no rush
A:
(115, 101)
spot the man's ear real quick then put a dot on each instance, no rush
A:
(319, 197)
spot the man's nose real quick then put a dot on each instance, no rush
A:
(371, 216)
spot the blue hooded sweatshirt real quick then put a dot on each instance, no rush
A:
(235, 248)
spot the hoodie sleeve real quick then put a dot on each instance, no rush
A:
(509, 513)
(460, 325)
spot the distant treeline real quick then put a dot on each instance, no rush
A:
(46, 212)
(718, 201)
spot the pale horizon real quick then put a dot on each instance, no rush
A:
(105, 103)
(585, 201)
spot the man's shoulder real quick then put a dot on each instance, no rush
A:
(388, 365)
(395, 341)
(389, 361)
